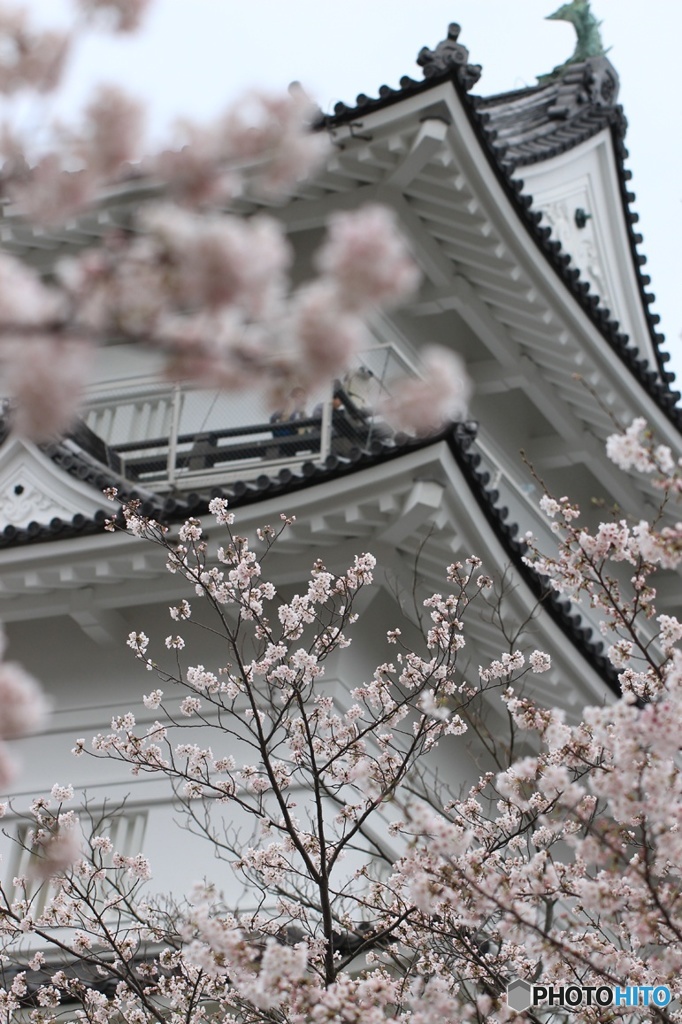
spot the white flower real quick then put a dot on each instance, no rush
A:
(540, 662)
(138, 642)
(550, 506)
(670, 631)
(180, 611)
(218, 508)
(428, 705)
(190, 705)
(62, 793)
(153, 700)
(630, 449)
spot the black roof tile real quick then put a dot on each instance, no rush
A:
(562, 612)
(460, 438)
(529, 125)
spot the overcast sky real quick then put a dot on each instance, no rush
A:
(194, 56)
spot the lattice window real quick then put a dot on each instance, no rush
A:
(19, 866)
(126, 832)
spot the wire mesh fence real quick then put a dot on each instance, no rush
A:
(171, 436)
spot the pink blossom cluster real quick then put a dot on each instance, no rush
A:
(209, 289)
(46, 372)
(561, 860)
(54, 838)
(571, 858)
(49, 186)
(588, 564)
(23, 708)
(363, 264)
(137, 866)
(225, 272)
(634, 448)
(356, 755)
(440, 395)
(125, 15)
(31, 59)
(279, 969)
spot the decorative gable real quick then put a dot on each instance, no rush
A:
(577, 193)
(33, 489)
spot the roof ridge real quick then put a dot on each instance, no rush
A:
(594, 85)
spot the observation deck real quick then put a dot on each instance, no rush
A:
(173, 438)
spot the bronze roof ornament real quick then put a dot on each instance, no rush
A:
(589, 41)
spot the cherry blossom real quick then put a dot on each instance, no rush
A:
(328, 335)
(55, 841)
(264, 131)
(23, 706)
(208, 288)
(367, 259)
(113, 131)
(31, 59)
(439, 397)
(47, 376)
(561, 859)
(123, 15)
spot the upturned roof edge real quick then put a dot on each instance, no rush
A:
(459, 437)
(448, 63)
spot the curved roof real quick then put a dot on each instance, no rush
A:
(522, 127)
(541, 121)
(459, 438)
(514, 129)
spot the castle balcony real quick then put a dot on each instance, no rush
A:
(172, 437)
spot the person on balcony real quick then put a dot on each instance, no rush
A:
(294, 410)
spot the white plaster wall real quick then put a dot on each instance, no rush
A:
(586, 178)
(89, 683)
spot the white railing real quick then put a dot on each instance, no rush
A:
(168, 436)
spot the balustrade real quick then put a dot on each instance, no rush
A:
(173, 437)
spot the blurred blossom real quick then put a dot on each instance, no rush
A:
(327, 335)
(121, 15)
(113, 130)
(24, 299)
(7, 771)
(23, 707)
(29, 59)
(46, 375)
(211, 349)
(48, 193)
(220, 260)
(55, 852)
(271, 133)
(192, 170)
(440, 396)
(368, 259)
